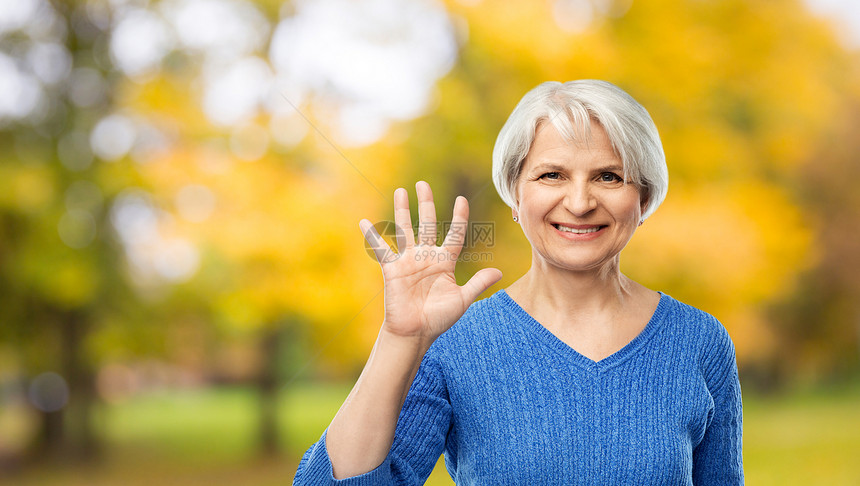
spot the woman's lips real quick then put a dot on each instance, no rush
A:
(579, 231)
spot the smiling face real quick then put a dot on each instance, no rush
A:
(574, 206)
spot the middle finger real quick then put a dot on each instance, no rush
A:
(403, 219)
(426, 214)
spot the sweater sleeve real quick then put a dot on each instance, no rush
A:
(718, 459)
(419, 438)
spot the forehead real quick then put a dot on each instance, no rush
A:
(588, 144)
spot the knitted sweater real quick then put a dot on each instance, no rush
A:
(511, 404)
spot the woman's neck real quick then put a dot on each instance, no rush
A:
(555, 292)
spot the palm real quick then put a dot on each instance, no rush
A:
(421, 295)
(422, 298)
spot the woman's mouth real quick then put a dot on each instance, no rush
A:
(578, 229)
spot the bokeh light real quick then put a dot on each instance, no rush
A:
(845, 14)
(379, 59)
(222, 30)
(84, 195)
(195, 202)
(140, 41)
(87, 87)
(19, 90)
(49, 392)
(113, 137)
(50, 61)
(234, 92)
(73, 150)
(19, 14)
(77, 228)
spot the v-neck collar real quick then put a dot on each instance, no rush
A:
(543, 335)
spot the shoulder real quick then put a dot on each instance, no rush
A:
(476, 327)
(695, 323)
(707, 336)
(494, 311)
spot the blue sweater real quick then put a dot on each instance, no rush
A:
(511, 404)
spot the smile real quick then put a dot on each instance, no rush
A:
(578, 231)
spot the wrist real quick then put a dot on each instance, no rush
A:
(405, 343)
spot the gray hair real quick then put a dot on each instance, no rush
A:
(628, 125)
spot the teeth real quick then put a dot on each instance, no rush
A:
(577, 231)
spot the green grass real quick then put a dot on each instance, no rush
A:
(206, 437)
(809, 437)
(308, 410)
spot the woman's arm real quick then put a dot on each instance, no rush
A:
(422, 300)
(362, 431)
(718, 459)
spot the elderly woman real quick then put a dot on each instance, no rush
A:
(575, 374)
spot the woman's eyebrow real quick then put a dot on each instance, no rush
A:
(610, 168)
(549, 167)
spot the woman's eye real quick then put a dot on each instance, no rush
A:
(551, 176)
(610, 177)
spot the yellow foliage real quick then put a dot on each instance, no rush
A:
(728, 249)
(71, 283)
(166, 98)
(29, 189)
(287, 230)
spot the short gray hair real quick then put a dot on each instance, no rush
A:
(628, 125)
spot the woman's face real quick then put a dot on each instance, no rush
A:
(574, 206)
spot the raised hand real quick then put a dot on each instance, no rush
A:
(422, 298)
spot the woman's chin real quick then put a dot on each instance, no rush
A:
(578, 264)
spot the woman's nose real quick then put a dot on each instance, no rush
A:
(579, 200)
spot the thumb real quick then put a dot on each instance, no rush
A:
(480, 282)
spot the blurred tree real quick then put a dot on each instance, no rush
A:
(255, 211)
(819, 327)
(60, 267)
(166, 202)
(276, 257)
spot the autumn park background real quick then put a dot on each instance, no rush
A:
(185, 296)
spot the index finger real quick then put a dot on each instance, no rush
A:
(403, 219)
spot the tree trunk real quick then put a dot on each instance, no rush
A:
(50, 439)
(67, 433)
(267, 388)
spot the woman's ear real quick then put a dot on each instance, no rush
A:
(644, 198)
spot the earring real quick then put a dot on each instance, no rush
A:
(641, 221)
(516, 219)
